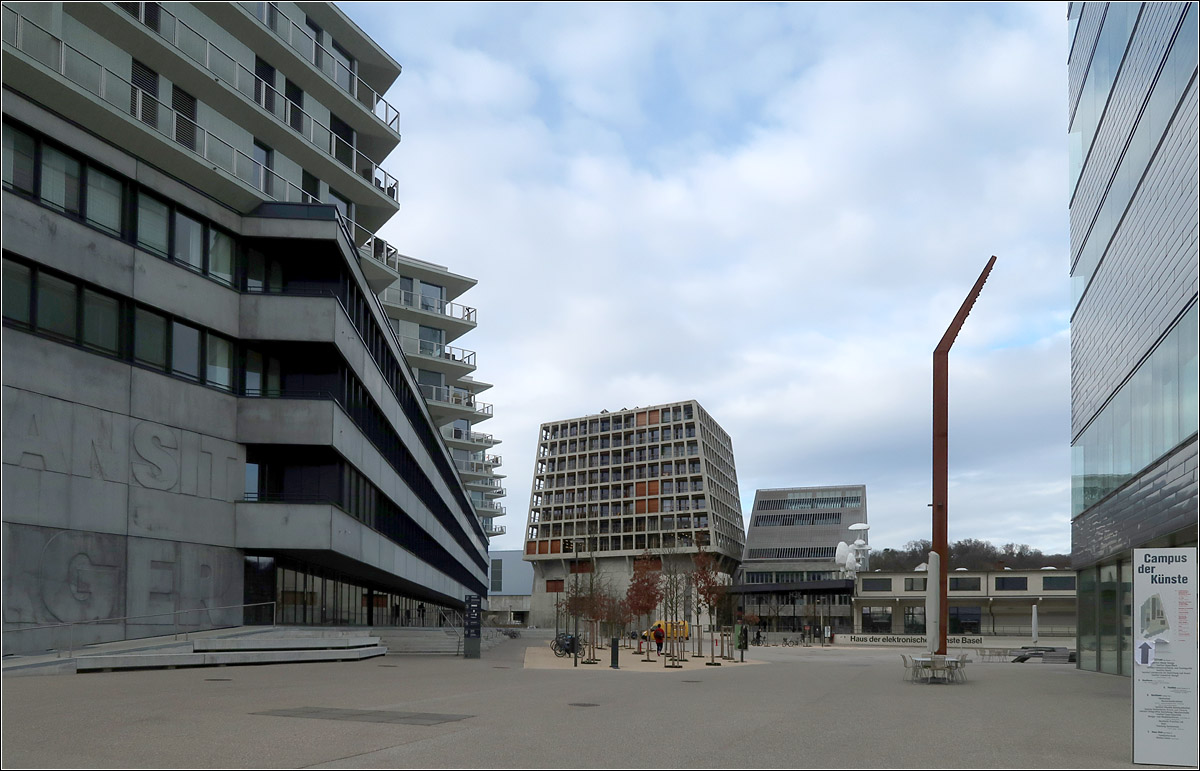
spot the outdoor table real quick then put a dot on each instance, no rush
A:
(927, 661)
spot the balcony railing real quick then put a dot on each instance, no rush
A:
(233, 73)
(418, 347)
(80, 69)
(465, 435)
(494, 530)
(409, 299)
(472, 467)
(489, 506)
(456, 397)
(300, 40)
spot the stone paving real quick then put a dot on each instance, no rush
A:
(520, 707)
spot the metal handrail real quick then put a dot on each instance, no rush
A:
(70, 625)
(465, 435)
(456, 397)
(298, 38)
(30, 38)
(411, 299)
(253, 88)
(416, 346)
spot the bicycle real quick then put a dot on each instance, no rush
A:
(564, 645)
(788, 643)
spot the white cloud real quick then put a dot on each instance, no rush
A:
(773, 209)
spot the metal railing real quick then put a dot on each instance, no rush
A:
(456, 397)
(416, 346)
(410, 299)
(70, 625)
(237, 76)
(31, 39)
(300, 40)
(465, 435)
(473, 466)
(490, 506)
(494, 530)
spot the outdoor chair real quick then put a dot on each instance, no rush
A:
(939, 665)
(911, 668)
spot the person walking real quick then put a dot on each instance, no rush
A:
(659, 636)
(421, 613)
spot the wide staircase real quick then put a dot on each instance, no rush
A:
(430, 640)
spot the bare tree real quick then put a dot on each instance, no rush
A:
(710, 589)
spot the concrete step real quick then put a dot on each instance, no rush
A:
(222, 658)
(265, 643)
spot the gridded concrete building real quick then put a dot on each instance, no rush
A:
(205, 403)
(1133, 169)
(609, 487)
(789, 577)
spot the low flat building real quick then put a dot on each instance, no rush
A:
(995, 603)
(510, 587)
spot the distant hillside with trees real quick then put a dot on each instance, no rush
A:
(969, 553)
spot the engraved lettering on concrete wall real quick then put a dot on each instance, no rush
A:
(36, 431)
(50, 434)
(153, 443)
(81, 577)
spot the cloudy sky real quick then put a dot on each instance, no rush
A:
(773, 209)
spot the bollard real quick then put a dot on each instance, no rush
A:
(615, 654)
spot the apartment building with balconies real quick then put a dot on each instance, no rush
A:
(421, 308)
(610, 487)
(205, 402)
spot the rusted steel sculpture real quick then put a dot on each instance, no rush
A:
(941, 463)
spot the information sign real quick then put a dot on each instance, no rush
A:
(1164, 657)
(472, 618)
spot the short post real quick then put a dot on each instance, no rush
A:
(615, 654)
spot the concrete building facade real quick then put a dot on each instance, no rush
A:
(205, 404)
(789, 577)
(510, 587)
(608, 488)
(1133, 170)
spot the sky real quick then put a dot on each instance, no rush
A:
(774, 209)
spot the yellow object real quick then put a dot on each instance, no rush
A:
(675, 629)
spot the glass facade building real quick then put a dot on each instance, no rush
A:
(1133, 224)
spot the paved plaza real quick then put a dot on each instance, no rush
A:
(518, 706)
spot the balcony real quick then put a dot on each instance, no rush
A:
(491, 531)
(474, 440)
(251, 181)
(489, 508)
(475, 468)
(343, 78)
(487, 485)
(223, 68)
(437, 357)
(455, 319)
(446, 402)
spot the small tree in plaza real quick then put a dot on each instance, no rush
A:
(674, 583)
(710, 589)
(645, 588)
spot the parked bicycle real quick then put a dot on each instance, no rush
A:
(564, 645)
(510, 633)
(788, 642)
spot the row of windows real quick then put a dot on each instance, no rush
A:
(793, 553)
(792, 520)
(827, 502)
(192, 242)
(1149, 415)
(1003, 584)
(618, 422)
(66, 310)
(962, 620)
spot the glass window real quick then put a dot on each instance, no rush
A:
(185, 350)
(104, 201)
(60, 180)
(220, 255)
(264, 159)
(1058, 583)
(101, 321)
(56, 311)
(19, 153)
(1109, 620)
(17, 289)
(253, 384)
(964, 620)
(877, 584)
(150, 338)
(915, 585)
(341, 202)
(152, 224)
(189, 241)
(220, 362)
(1087, 620)
(914, 619)
(1012, 583)
(964, 584)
